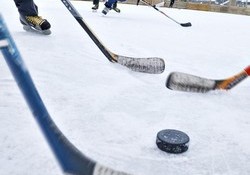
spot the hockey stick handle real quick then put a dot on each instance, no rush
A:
(78, 17)
(247, 70)
(147, 3)
(229, 83)
(71, 160)
(154, 6)
(68, 156)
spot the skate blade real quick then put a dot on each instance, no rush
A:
(104, 13)
(31, 29)
(117, 11)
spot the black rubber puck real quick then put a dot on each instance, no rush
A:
(172, 141)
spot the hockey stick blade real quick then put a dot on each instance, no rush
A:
(145, 65)
(145, 68)
(188, 24)
(71, 160)
(191, 83)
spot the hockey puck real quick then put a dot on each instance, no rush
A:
(172, 141)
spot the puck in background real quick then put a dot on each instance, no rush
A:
(172, 141)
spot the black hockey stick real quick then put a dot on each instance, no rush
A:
(71, 160)
(188, 24)
(191, 83)
(151, 65)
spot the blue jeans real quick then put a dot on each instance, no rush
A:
(110, 3)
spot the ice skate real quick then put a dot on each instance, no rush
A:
(115, 8)
(95, 7)
(105, 10)
(35, 24)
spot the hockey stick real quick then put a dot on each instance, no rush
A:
(151, 65)
(188, 24)
(71, 160)
(190, 83)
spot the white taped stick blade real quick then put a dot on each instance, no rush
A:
(152, 65)
(189, 83)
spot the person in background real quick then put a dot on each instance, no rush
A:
(29, 18)
(96, 6)
(171, 3)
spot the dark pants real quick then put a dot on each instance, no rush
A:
(96, 2)
(171, 3)
(26, 7)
